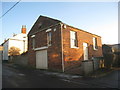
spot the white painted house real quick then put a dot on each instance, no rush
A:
(18, 40)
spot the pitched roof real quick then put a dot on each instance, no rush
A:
(43, 22)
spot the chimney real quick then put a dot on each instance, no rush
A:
(23, 30)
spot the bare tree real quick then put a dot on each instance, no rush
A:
(14, 51)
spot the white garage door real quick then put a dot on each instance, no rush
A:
(41, 59)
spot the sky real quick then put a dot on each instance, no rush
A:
(99, 18)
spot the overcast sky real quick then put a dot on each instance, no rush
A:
(99, 18)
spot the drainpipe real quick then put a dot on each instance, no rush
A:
(62, 47)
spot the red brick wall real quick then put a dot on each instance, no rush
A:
(40, 41)
(74, 56)
(31, 53)
(54, 51)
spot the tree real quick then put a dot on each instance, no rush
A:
(14, 51)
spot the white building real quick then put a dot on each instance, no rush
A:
(18, 40)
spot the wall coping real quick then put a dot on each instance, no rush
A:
(41, 48)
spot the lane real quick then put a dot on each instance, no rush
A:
(27, 78)
(13, 78)
(111, 80)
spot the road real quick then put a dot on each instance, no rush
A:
(17, 77)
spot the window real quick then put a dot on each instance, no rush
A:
(49, 38)
(33, 43)
(73, 39)
(95, 47)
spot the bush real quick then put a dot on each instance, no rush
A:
(108, 60)
(116, 62)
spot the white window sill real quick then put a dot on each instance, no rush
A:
(49, 45)
(32, 36)
(95, 49)
(41, 48)
(75, 47)
(48, 30)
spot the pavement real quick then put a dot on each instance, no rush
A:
(19, 77)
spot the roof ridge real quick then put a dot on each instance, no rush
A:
(50, 18)
(69, 25)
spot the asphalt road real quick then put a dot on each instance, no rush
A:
(16, 77)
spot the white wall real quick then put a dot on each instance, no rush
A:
(19, 41)
(16, 43)
(0, 56)
(5, 50)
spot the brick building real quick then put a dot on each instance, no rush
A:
(55, 45)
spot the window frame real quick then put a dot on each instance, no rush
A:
(73, 39)
(33, 41)
(49, 38)
(95, 43)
